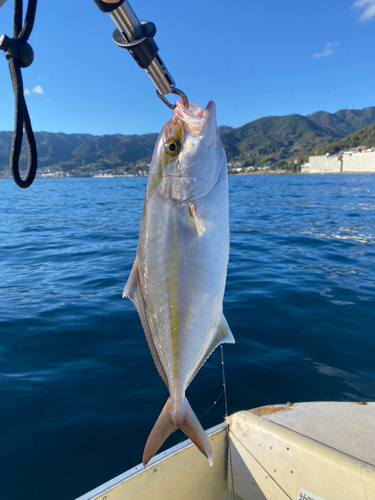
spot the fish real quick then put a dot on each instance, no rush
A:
(178, 278)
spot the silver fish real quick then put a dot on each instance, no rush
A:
(178, 278)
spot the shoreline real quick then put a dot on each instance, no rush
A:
(239, 174)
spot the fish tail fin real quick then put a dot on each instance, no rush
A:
(163, 428)
(168, 422)
(195, 432)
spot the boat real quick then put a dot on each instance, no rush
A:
(301, 451)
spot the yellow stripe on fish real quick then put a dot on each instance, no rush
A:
(174, 264)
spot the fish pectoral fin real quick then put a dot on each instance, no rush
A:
(199, 223)
(133, 292)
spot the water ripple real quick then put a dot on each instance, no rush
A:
(77, 382)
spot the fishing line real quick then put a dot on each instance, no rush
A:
(213, 404)
(224, 391)
(224, 385)
(204, 414)
(231, 478)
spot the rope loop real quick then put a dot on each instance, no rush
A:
(20, 55)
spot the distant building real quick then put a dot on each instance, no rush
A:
(325, 164)
(359, 162)
(348, 161)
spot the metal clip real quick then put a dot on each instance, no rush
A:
(138, 38)
(177, 92)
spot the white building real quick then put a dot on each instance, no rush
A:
(359, 162)
(325, 164)
(349, 161)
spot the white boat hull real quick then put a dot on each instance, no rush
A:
(307, 451)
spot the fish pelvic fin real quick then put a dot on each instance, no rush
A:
(133, 292)
(170, 420)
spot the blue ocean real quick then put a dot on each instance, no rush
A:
(79, 392)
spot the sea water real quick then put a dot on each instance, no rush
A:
(79, 392)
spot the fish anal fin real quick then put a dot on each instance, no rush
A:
(133, 291)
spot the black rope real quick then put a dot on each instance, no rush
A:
(20, 55)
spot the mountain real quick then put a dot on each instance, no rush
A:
(224, 128)
(330, 123)
(281, 141)
(275, 136)
(72, 151)
(345, 121)
(52, 148)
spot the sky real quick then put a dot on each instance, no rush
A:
(253, 58)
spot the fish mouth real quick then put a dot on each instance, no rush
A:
(195, 120)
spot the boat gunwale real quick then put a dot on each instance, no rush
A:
(178, 448)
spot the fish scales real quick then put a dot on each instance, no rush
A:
(178, 279)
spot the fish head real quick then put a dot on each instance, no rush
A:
(189, 156)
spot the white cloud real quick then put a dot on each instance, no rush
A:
(27, 92)
(327, 51)
(38, 89)
(369, 9)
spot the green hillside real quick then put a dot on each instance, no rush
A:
(286, 141)
(82, 152)
(364, 137)
(273, 138)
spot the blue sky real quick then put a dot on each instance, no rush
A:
(253, 58)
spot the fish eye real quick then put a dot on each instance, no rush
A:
(173, 147)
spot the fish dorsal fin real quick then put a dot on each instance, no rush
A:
(133, 291)
(223, 336)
